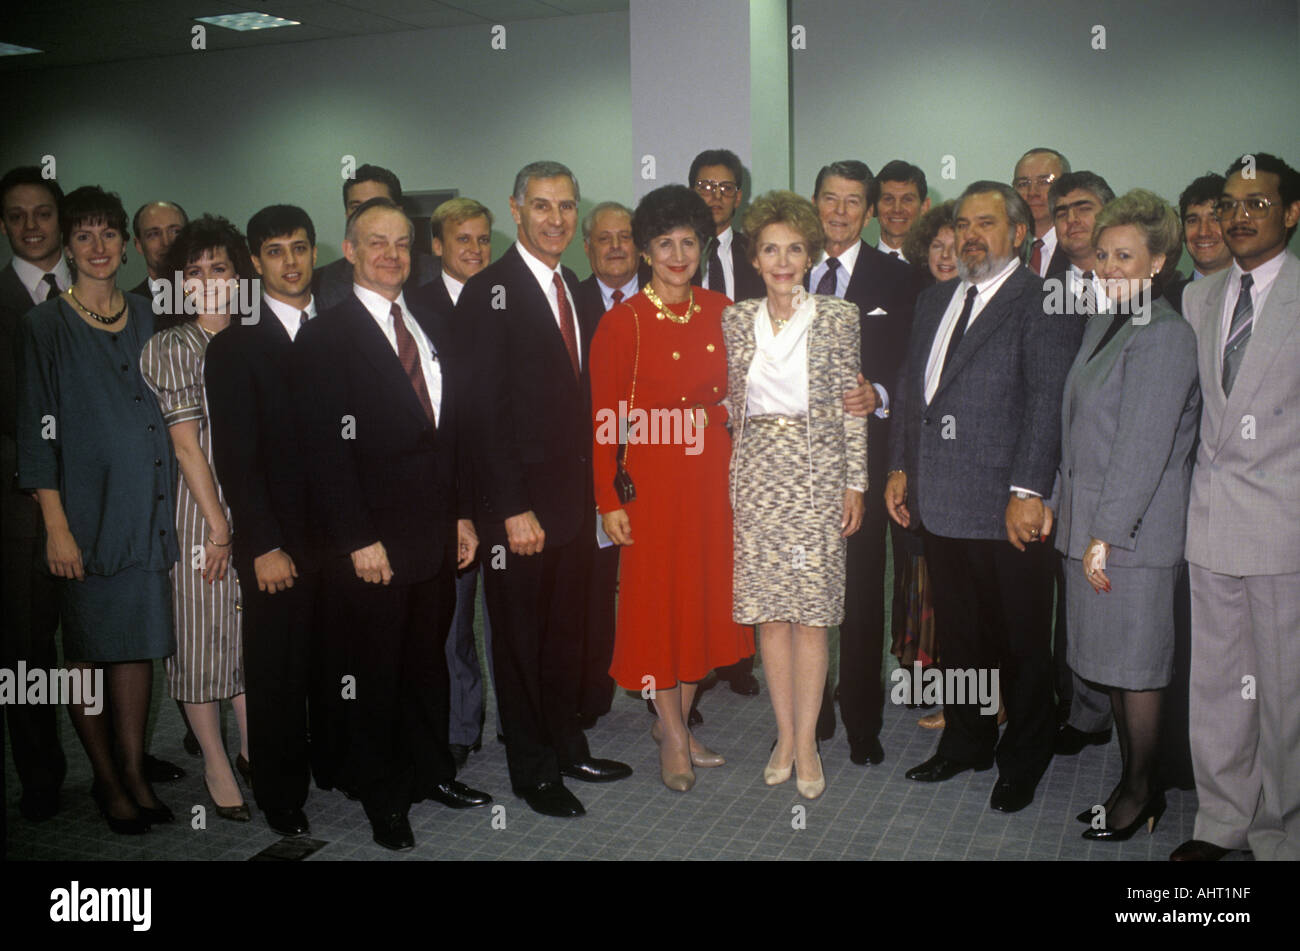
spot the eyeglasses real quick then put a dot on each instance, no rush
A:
(1226, 208)
(726, 189)
(1042, 181)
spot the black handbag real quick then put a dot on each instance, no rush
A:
(623, 484)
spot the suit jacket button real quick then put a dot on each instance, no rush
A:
(925, 420)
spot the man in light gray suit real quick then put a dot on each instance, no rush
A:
(1243, 526)
(979, 406)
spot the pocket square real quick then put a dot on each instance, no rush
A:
(878, 312)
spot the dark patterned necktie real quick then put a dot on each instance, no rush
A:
(1036, 258)
(1234, 351)
(959, 331)
(53, 290)
(617, 297)
(829, 281)
(409, 355)
(302, 319)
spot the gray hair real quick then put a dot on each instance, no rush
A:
(542, 170)
(1017, 208)
(1043, 150)
(590, 220)
(1079, 181)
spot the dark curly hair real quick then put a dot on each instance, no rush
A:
(90, 204)
(667, 208)
(207, 233)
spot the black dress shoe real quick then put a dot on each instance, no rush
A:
(870, 753)
(38, 805)
(1150, 814)
(593, 770)
(1011, 796)
(391, 830)
(191, 744)
(1069, 741)
(744, 684)
(1198, 850)
(551, 799)
(156, 815)
(160, 771)
(136, 825)
(939, 768)
(288, 821)
(456, 795)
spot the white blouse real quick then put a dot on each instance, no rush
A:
(778, 375)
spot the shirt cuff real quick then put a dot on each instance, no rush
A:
(858, 488)
(1016, 488)
(883, 409)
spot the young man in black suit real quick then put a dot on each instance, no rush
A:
(716, 176)
(155, 226)
(884, 290)
(380, 399)
(533, 496)
(30, 221)
(461, 235)
(263, 474)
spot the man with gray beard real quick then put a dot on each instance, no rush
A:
(977, 443)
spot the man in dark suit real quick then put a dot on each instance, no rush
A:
(1074, 199)
(30, 221)
(1033, 176)
(259, 460)
(979, 405)
(884, 291)
(533, 492)
(901, 197)
(381, 398)
(461, 236)
(727, 265)
(332, 284)
(1202, 235)
(617, 273)
(155, 226)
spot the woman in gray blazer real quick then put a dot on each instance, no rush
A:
(1129, 416)
(798, 471)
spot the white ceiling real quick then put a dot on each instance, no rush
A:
(74, 32)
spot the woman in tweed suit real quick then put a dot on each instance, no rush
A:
(798, 471)
(208, 664)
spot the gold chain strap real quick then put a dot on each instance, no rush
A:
(636, 362)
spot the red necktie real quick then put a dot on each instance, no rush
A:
(1036, 259)
(567, 330)
(617, 297)
(409, 355)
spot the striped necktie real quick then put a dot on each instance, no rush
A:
(1243, 318)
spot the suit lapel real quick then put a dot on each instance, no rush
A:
(1271, 329)
(995, 312)
(537, 309)
(373, 345)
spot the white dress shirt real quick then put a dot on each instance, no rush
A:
(454, 287)
(848, 260)
(984, 293)
(1264, 275)
(892, 252)
(1045, 256)
(607, 293)
(288, 315)
(33, 278)
(545, 275)
(724, 254)
(380, 308)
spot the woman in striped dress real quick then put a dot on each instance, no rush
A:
(208, 664)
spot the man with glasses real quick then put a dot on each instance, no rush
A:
(716, 176)
(1034, 174)
(1243, 526)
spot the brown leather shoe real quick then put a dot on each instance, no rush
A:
(1196, 850)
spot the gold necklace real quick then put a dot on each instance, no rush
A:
(692, 308)
(102, 318)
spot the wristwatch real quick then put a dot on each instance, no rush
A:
(1022, 495)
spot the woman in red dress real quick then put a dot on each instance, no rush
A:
(659, 374)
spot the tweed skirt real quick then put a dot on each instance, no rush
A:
(789, 554)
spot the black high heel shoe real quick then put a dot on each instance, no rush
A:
(138, 825)
(1150, 814)
(156, 815)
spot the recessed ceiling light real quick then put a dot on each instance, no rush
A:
(9, 49)
(247, 21)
